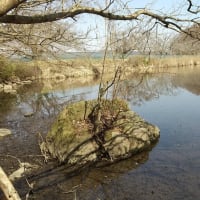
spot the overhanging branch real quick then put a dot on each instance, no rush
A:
(190, 6)
(24, 19)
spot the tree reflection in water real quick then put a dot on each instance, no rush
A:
(65, 181)
(189, 80)
(140, 88)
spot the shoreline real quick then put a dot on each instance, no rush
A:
(60, 70)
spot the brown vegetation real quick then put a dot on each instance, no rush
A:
(168, 61)
(10, 70)
(62, 69)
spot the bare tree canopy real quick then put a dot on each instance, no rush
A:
(36, 40)
(187, 44)
(40, 11)
(33, 26)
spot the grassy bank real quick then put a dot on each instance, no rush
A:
(62, 69)
(10, 69)
(167, 61)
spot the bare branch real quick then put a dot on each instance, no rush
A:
(166, 21)
(190, 6)
(109, 4)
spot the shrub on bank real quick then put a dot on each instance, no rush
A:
(9, 69)
(24, 70)
(6, 69)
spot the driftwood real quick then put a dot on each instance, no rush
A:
(7, 187)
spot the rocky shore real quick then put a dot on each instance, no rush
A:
(12, 85)
(61, 70)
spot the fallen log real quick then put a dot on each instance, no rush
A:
(7, 187)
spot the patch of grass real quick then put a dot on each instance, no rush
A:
(179, 61)
(6, 69)
(24, 70)
(137, 61)
(167, 61)
(9, 68)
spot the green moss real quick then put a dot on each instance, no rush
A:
(70, 129)
(108, 135)
(71, 137)
(69, 126)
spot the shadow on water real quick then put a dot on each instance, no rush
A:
(170, 171)
(68, 181)
(188, 80)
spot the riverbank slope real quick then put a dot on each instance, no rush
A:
(16, 73)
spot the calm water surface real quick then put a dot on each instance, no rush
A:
(170, 171)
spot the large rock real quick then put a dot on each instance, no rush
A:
(71, 138)
(131, 135)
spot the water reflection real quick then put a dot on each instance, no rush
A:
(46, 97)
(170, 100)
(142, 88)
(83, 179)
(189, 80)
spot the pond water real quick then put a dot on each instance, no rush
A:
(170, 171)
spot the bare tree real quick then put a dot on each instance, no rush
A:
(32, 38)
(140, 40)
(187, 44)
(38, 40)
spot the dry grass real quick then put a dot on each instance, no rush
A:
(168, 61)
(10, 68)
(74, 63)
(89, 66)
(6, 69)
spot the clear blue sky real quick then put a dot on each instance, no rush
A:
(176, 8)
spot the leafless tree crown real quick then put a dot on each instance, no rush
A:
(20, 19)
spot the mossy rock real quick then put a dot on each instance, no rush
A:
(71, 138)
